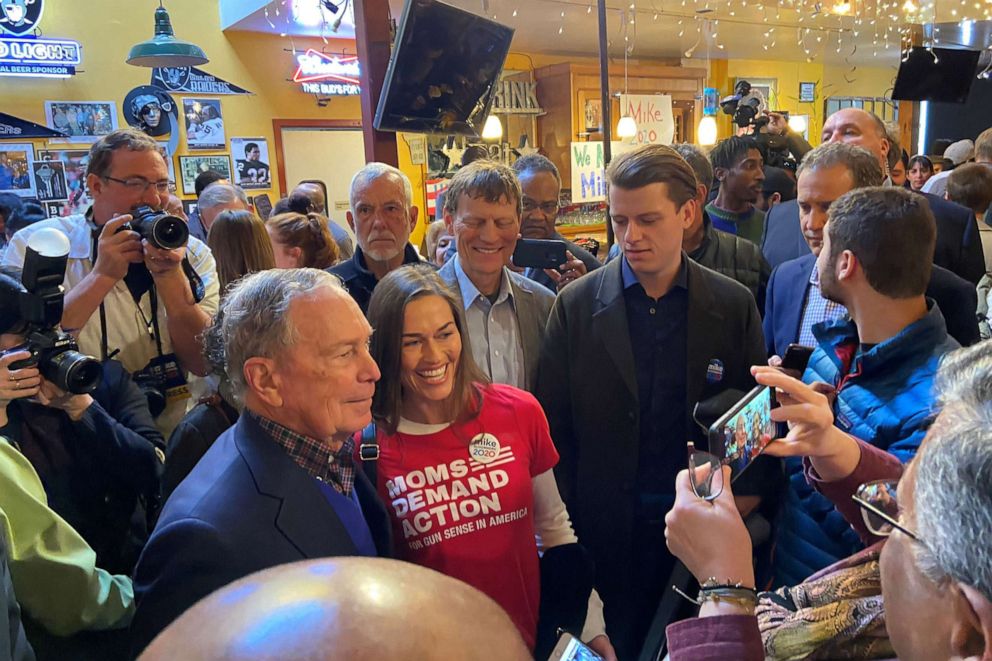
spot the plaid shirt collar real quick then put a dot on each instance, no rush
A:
(314, 456)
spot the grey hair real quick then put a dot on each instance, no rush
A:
(373, 171)
(952, 496)
(217, 194)
(533, 163)
(253, 319)
(699, 163)
(862, 164)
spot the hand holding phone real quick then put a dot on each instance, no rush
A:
(570, 648)
(540, 253)
(744, 431)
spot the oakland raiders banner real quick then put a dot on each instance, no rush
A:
(190, 80)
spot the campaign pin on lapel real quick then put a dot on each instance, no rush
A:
(714, 371)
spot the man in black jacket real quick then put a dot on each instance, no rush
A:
(725, 253)
(959, 247)
(629, 351)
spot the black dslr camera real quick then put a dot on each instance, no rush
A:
(33, 307)
(159, 228)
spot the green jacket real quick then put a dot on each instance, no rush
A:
(53, 569)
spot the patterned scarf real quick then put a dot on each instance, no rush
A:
(836, 613)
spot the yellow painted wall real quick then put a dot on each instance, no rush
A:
(258, 62)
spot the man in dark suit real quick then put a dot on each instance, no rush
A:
(630, 350)
(279, 486)
(959, 248)
(505, 312)
(794, 304)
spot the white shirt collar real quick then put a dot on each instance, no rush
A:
(471, 293)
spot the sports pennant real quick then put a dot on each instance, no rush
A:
(15, 128)
(190, 80)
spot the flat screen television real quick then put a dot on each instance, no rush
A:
(443, 71)
(948, 79)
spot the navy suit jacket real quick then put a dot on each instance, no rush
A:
(959, 248)
(246, 506)
(789, 285)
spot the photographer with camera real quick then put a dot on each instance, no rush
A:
(780, 146)
(80, 460)
(138, 288)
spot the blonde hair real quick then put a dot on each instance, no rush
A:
(308, 232)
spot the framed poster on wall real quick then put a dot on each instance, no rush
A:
(16, 173)
(192, 166)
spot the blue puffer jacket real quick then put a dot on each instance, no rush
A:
(884, 398)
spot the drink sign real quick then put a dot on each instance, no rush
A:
(653, 115)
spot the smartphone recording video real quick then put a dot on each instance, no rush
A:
(570, 648)
(744, 432)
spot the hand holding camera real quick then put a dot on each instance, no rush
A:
(119, 247)
(17, 383)
(54, 397)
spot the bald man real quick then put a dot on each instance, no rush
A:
(344, 608)
(959, 247)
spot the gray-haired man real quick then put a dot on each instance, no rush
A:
(217, 198)
(382, 215)
(280, 485)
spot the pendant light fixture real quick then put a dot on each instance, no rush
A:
(707, 132)
(626, 127)
(493, 128)
(164, 50)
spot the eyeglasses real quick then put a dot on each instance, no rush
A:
(705, 473)
(139, 184)
(549, 208)
(880, 508)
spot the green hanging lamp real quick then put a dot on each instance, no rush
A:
(164, 50)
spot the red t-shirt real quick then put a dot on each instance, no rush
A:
(461, 499)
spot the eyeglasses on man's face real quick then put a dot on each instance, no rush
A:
(548, 208)
(880, 508)
(139, 185)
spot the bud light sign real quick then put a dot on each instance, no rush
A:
(330, 75)
(40, 58)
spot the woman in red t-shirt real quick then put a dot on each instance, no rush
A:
(465, 466)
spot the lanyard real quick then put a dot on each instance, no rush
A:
(153, 326)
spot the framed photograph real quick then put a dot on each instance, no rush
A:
(594, 115)
(191, 166)
(251, 163)
(16, 175)
(807, 92)
(163, 148)
(204, 124)
(189, 206)
(84, 121)
(55, 209)
(49, 180)
(74, 164)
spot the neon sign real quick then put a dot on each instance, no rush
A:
(36, 57)
(320, 73)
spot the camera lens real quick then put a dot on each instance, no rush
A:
(169, 232)
(73, 372)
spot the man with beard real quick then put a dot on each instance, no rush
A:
(382, 215)
(878, 365)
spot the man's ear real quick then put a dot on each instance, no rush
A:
(971, 632)
(774, 199)
(720, 173)
(847, 265)
(262, 380)
(94, 184)
(687, 214)
(414, 214)
(351, 220)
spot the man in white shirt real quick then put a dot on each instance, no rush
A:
(110, 291)
(505, 311)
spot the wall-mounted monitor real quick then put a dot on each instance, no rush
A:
(443, 71)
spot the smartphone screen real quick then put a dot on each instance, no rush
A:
(745, 431)
(570, 648)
